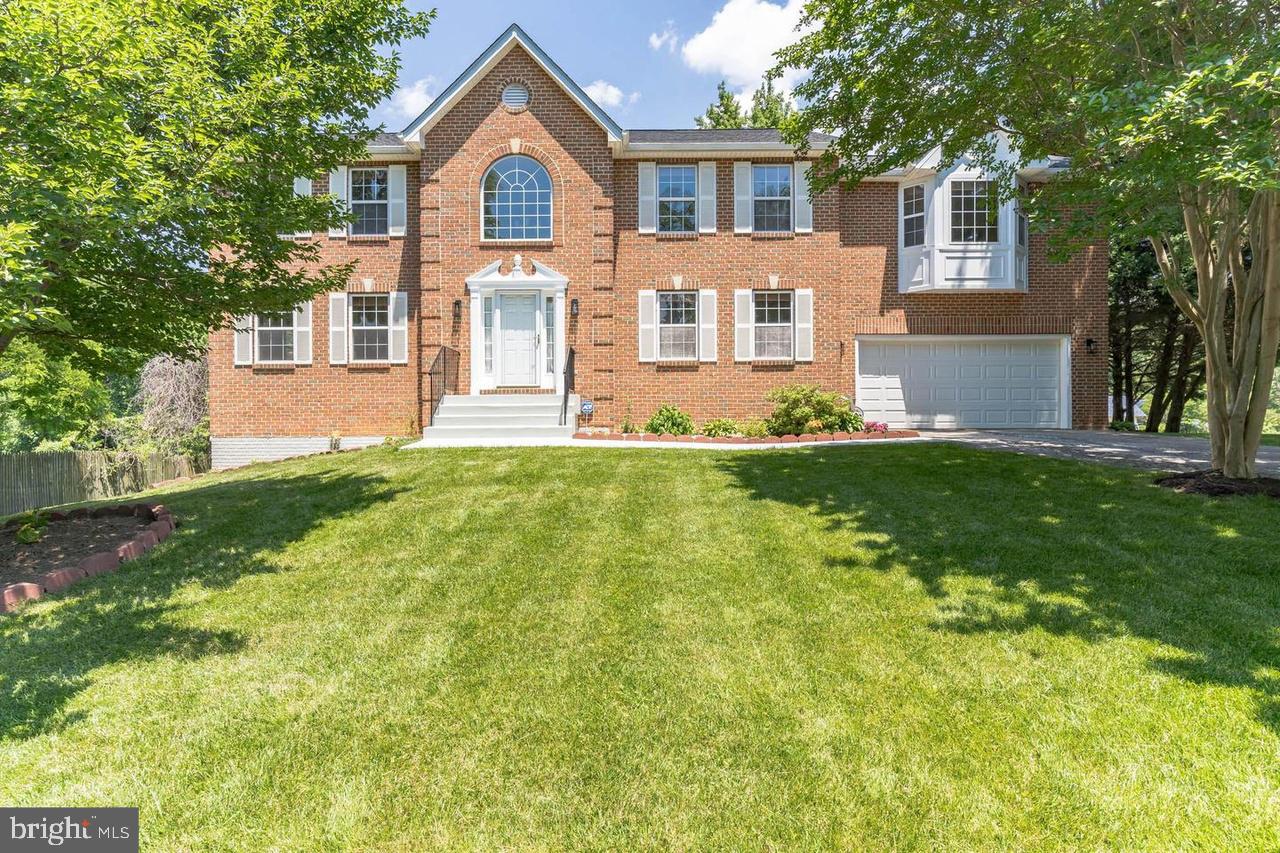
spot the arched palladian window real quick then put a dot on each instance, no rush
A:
(516, 200)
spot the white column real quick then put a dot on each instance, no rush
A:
(477, 342)
(561, 347)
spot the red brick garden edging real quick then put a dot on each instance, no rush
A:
(739, 439)
(162, 524)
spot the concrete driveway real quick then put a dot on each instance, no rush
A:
(1134, 449)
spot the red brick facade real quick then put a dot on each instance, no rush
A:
(849, 261)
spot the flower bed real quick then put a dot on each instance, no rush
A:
(58, 560)
(739, 439)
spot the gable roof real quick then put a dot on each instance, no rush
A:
(484, 62)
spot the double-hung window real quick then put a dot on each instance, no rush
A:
(275, 334)
(774, 324)
(677, 199)
(678, 326)
(974, 217)
(771, 197)
(369, 201)
(370, 327)
(913, 216)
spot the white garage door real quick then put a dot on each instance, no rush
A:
(964, 382)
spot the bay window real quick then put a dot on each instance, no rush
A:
(974, 216)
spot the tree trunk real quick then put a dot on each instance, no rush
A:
(1163, 370)
(1185, 385)
(1128, 417)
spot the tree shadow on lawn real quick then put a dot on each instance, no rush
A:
(1066, 547)
(228, 531)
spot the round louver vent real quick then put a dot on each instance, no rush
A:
(515, 97)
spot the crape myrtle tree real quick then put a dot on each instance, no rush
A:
(1168, 113)
(147, 156)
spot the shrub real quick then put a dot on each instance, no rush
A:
(32, 527)
(627, 426)
(669, 419)
(805, 408)
(1122, 426)
(720, 427)
(875, 426)
(755, 428)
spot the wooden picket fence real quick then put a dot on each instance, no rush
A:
(34, 480)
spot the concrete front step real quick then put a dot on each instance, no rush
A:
(497, 431)
(500, 400)
(505, 417)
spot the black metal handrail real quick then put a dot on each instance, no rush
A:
(568, 388)
(443, 378)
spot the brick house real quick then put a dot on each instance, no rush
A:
(515, 223)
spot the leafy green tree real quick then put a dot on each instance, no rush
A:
(147, 151)
(768, 109)
(726, 113)
(45, 400)
(1166, 111)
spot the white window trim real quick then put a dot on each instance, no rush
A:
(923, 215)
(790, 199)
(947, 192)
(659, 199)
(352, 202)
(658, 326)
(755, 326)
(352, 327)
(292, 329)
(498, 241)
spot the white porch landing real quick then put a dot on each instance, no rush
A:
(499, 420)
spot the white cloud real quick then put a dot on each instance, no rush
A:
(739, 43)
(606, 94)
(666, 39)
(408, 102)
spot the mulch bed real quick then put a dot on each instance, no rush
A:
(1214, 484)
(64, 543)
(82, 543)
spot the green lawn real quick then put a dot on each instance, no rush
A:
(910, 646)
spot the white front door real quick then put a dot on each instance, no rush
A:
(519, 317)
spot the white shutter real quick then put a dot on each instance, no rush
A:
(302, 333)
(337, 328)
(804, 325)
(647, 180)
(397, 194)
(707, 198)
(743, 329)
(302, 187)
(647, 320)
(800, 198)
(243, 329)
(706, 325)
(338, 189)
(742, 198)
(400, 327)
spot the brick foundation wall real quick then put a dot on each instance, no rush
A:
(850, 262)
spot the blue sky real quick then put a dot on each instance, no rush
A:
(650, 64)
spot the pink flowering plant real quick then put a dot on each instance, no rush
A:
(875, 426)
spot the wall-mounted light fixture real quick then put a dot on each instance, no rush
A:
(457, 310)
(1090, 346)
(573, 308)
